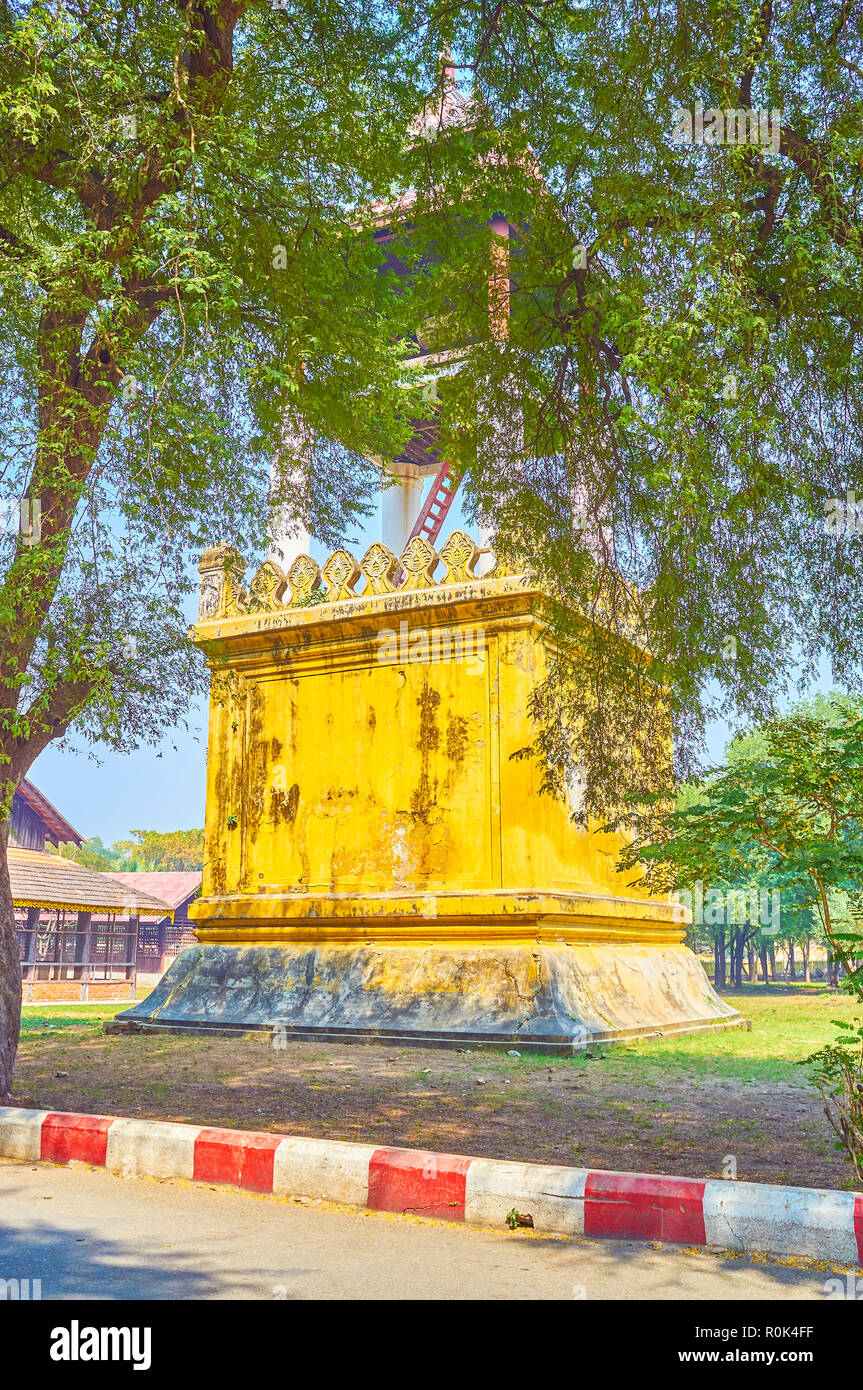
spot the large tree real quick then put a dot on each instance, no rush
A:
(688, 361)
(178, 258)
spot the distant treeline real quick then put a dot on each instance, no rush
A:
(148, 851)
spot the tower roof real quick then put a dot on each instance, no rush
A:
(447, 108)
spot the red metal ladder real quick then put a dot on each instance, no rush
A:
(433, 512)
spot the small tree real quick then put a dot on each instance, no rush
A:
(789, 811)
(837, 1070)
(93, 854)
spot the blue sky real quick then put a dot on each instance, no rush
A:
(163, 788)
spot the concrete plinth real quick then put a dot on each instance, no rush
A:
(545, 999)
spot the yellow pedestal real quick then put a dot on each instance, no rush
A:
(377, 864)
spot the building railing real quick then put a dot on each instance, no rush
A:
(60, 957)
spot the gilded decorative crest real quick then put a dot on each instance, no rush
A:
(459, 555)
(419, 562)
(379, 565)
(234, 599)
(266, 588)
(303, 576)
(340, 574)
(221, 592)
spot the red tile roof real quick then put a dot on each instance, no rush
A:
(40, 879)
(172, 886)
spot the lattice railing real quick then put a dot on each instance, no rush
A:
(308, 584)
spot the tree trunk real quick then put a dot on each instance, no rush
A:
(737, 948)
(732, 957)
(806, 947)
(765, 967)
(10, 973)
(750, 963)
(771, 951)
(719, 960)
(791, 974)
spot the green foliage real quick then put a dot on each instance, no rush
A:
(155, 849)
(786, 809)
(515, 1218)
(93, 854)
(149, 169)
(150, 850)
(837, 1071)
(185, 257)
(703, 262)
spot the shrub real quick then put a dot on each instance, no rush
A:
(837, 1071)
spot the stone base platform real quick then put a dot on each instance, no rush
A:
(534, 997)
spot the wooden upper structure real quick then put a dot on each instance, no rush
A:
(41, 879)
(34, 821)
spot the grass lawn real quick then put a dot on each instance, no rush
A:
(685, 1105)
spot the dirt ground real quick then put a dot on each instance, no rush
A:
(634, 1108)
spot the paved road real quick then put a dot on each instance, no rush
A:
(89, 1234)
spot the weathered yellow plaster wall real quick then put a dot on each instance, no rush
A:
(340, 766)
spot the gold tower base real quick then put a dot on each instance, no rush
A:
(379, 864)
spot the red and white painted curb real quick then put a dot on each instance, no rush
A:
(729, 1215)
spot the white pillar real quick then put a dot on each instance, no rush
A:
(400, 507)
(289, 536)
(596, 534)
(485, 563)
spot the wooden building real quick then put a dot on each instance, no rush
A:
(35, 822)
(159, 943)
(77, 930)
